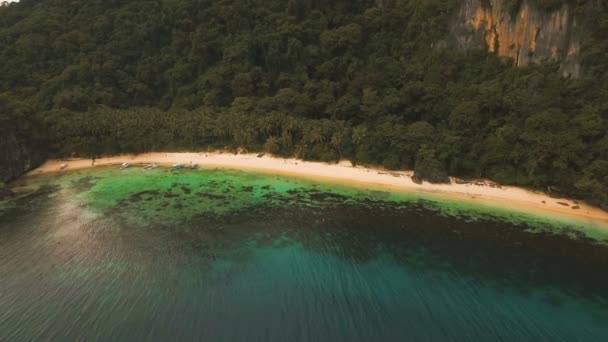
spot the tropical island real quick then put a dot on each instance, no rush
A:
(304, 170)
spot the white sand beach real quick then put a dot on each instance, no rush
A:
(481, 192)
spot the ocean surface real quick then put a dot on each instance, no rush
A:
(219, 255)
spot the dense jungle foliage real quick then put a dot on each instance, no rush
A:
(363, 80)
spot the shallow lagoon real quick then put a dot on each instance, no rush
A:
(227, 255)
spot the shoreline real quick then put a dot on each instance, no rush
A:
(477, 192)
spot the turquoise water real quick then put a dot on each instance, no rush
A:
(216, 255)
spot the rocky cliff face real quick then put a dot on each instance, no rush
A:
(522, 32)
(16, 157)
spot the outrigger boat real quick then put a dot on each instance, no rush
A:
(150, 167)
(124, 166)
(176, 167)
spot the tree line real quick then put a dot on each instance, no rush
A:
(361, 80)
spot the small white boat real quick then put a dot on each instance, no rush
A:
(63, 166)
(177, 167)
(150, 167)
(124, 166)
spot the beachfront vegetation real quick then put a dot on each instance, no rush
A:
(369, 81)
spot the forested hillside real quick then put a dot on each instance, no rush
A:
(376, 82)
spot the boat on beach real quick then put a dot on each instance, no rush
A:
(125, 166)
(181, 166)
(176, 167)
(150, 167)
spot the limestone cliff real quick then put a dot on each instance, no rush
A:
(524, 32)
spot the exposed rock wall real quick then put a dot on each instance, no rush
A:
(16, 157)
(526, 34)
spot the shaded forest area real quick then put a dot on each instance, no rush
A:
(324, 80)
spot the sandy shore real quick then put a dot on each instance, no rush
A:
(481, 192)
